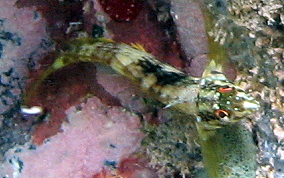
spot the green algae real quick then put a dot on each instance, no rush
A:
(230, 153)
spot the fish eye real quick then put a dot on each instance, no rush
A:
(225, 89)
(221, 113)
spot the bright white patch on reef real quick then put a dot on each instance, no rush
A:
(32, 110)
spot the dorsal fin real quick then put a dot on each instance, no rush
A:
(138, 46)
(214, 70)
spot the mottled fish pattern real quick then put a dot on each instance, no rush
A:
(211, 99)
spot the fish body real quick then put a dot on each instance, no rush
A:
(212, 99)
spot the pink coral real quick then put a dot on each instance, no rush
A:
(94, 137)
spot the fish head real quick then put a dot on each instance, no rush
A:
(221, 102)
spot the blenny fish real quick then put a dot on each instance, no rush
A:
(212, 99)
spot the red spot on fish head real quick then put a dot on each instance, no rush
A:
(225, 89)
(122, 10)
